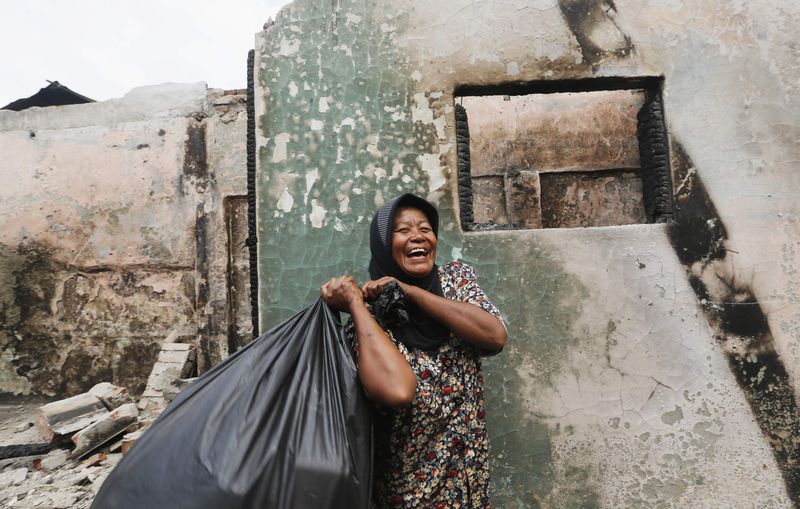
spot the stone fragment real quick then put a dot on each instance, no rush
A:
(104, 430)
(130, 439)
(111, 395)
(62, 418)
(115, 446)
(94, 460)
(53, 460)
(13, 477)
(175, 361)
(98, 480)
(58, 499)
(113, 459)
(175, 347)
(77, 479)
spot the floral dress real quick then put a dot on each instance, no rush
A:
(433, 453)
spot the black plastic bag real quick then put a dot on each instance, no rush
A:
(389, 307)
(283, 423)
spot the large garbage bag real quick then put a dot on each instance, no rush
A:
(281, 424)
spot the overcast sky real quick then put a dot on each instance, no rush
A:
(103, 48)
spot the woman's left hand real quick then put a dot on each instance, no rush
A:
(373, 289)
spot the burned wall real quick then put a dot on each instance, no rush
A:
(649, 365)
(112, 235)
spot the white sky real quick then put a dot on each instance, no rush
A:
(103, 48)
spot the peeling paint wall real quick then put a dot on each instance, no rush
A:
(113, 235)
(648, 365)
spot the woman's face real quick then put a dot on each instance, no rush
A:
(413, 242)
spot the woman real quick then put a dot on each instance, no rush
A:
(425, 377)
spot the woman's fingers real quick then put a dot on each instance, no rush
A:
(326, 287)
(373, 289)
(341, 292)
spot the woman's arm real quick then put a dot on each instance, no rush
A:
(384, 372)
(468, 322)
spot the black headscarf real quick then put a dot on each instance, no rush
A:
(422, 331)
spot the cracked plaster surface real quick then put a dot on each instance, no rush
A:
(612, 392)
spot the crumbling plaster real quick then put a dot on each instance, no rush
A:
(620, 387)
(113, 235)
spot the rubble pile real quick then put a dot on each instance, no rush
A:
(57, 455)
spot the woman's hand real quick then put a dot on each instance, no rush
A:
(341, 293)
(467, 321)
(385, 374)
(373, 289)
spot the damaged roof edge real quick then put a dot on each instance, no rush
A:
(168, 100)
(54, 94)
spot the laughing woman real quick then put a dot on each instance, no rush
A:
(425, 377)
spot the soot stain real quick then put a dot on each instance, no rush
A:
(195, 163)
(36, 352)
(698, 236)
(582, 17)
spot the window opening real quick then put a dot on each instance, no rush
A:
(563, 155)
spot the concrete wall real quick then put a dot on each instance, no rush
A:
(113, 235)
(648, 365)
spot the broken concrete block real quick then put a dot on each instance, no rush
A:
(93, 460)
(173, 356)
(115, 446)
(61, 499)
(79, 478)
(53, 460)
(62, 418)
(175, 361)
(113, 459)
(111, 395)
(13, 477)
(175, 347)
(130, 439)
(104, 430)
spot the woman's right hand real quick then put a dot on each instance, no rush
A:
(341, 293)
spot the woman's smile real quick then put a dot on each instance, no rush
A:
(413, 242)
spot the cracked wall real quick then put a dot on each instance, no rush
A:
(113, 235)
(642, 358)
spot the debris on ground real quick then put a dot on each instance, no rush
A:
(57, 454)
